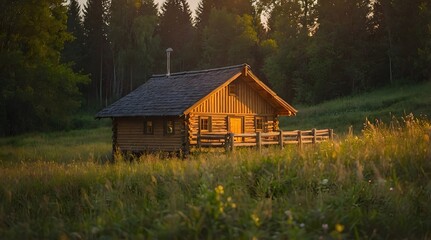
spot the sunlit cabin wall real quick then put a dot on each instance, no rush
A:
(221, 105)
(131, 137)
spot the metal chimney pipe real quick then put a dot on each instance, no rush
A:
(168, 61)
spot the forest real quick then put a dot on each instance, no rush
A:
(58, 59)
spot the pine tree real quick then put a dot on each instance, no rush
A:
(236, 44)
(339, 49)
(176, 31)
(96, 48)
(404, 28)
(237, 7)
(73, 50)
(133, 43)
(291, 25)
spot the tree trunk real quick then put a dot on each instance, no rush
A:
(131, 78)
(101, 78)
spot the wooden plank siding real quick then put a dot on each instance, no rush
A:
(130, 135)
(246, 103)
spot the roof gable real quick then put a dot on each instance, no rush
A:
(178, 93)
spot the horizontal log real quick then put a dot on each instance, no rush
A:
(212, 136)
(267, 134)
(325, 131)
(307, 137)
(211, 144)
(290, 133)
(245, 135)
(243, 144)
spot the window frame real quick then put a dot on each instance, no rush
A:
(146, 132)
(165, 127)
(262, 125)
(209, 124)
(233, 89)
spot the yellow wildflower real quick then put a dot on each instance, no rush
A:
(255, 219)
(219, 190)
(339, 227)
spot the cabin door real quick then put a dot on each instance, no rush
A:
(235, 124)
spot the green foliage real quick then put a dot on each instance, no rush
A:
(401, 21)
(132, 29)
(96, 59)
(343, 189)
(237, 42)
(287, 67)
(238, 7)
(73, 51)
(37, 92)
(330, 48)
(236, 45)
(177, 32)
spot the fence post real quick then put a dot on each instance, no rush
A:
(199, 141)
(232, 142)
(313, 131)
(280, 139)
(259, 141)
(299, 138)
(226, 142)
(331, 134)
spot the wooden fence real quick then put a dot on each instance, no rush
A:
(231, 140)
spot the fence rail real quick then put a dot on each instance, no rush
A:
(231, 140)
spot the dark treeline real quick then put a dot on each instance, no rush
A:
(56, 58)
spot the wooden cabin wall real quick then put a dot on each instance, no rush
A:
(247, 103)
(130, 135)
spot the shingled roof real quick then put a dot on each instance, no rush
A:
(172, 95)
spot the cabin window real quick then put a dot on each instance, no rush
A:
(259, 124)
(233, 89)
(148, 127)
(205, 124)
(169, 127)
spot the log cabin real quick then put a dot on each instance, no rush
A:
(168, 112)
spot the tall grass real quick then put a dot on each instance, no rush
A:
(376, 185)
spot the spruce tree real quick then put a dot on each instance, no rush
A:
(132, 32)
(176, 31)
(404, 28)
(236, 44)
(73, 51)
(96, 49)
(237, 7)
(338, 53)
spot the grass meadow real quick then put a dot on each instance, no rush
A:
(373, 184)
(351, 112)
